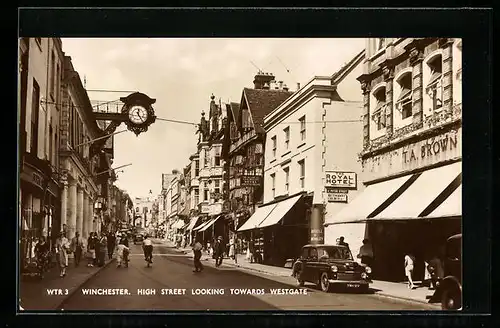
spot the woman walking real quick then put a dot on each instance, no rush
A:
(62, 249)
(409, 266)
(91, 257)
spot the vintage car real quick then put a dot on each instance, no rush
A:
(329, 265)
(449, 288)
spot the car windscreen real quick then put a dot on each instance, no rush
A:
(338, 253)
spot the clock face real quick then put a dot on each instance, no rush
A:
(138, 114)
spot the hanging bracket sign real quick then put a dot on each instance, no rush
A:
(339, 179)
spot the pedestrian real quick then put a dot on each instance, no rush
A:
(209, 248)
(101, 254)
(232, 250)
(219, 249)
(197, 247)
(409, 266)
(436, 270)
(91, 245)
(77, 247)
(111, 241)
(121, 253)
(366, 253)
(62, 249)
(341, 242)
(251, 251)
(42, 255)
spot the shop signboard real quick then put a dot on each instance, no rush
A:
(205, 208)
(336, 197)
(340, 179)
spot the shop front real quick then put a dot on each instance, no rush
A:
(410, 213)
(39, 206)
(278, 230)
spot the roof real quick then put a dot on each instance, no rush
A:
(235, 109)
(261, 102)
(338, 76)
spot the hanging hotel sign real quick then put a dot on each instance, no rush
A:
(250, 180)
(336, 197)
(340, 179)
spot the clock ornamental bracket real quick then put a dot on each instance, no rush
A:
(137, 113)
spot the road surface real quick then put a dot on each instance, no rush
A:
(171, 285)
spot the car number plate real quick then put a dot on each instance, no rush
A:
(353, 285)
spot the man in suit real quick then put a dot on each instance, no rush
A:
(77, 247)
(219, 249)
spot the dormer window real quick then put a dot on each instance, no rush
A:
(378, 115)
(434, 88)
(403, 102)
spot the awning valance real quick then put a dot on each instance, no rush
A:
(259, 216)
(367, 202)
(210, 223)
(425, 190)
(279, 212)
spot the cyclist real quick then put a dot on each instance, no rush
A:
(147, 247)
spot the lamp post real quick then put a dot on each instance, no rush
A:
(98, 208)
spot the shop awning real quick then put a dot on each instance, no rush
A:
(202, 225)
(192, 223)
(424, 191)
(259, 216)
(279, 212)
(368, 201)
(210, 223)
(178, 224)
(450, 207)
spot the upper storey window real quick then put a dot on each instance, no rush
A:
(403, 103)
(378, 113)
(433, 83)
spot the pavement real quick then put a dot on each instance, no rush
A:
(381, 288)
(33, 293)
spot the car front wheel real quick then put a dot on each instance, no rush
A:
(324, 282)
(451, 300)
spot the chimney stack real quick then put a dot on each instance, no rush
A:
(298, 86)
(280, 84)
(261, 79)
(266, 86)
(285, 87)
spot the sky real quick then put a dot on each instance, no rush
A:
(182, 74)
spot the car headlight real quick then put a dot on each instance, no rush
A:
(334, 268)
(438, 283)
(364, 275)
(368, 270)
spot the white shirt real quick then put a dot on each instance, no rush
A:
(120, 249)
(147, 242)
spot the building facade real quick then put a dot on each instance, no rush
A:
(41, 66)
(211, 183)
(80, 187)
(246, 152)
(312, 142)
(412, 127)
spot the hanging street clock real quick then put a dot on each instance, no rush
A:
(139, 111)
